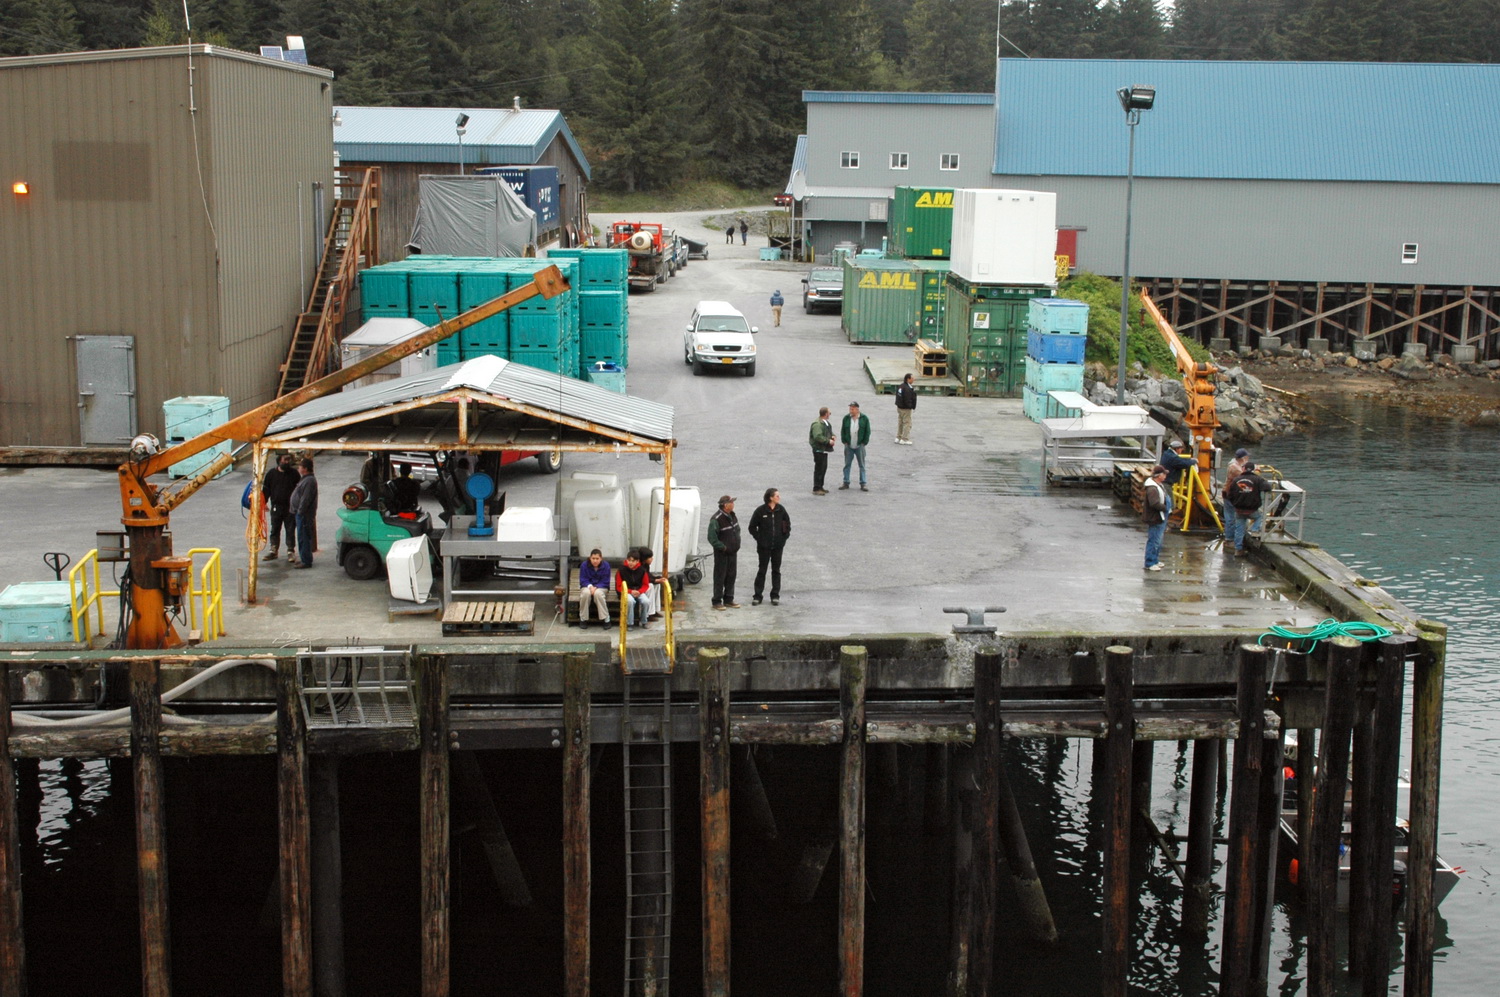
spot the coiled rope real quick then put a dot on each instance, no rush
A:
(1358, 629)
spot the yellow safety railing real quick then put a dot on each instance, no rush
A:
(666, 614)
(205, 601)
(84, 594)
(205, 595)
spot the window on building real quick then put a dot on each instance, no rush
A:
(849, 160)
(899, 161)
(1408, 252)
(949, 161)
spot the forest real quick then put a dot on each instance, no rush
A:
(660, 92)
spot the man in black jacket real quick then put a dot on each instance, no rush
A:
(724, 538)
(277, 487)
(770, 526)
(304, 505)
(906, 404)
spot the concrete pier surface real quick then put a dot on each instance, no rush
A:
(961, 518)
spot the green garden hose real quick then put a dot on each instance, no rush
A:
(1330, 627)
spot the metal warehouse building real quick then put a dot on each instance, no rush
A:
(408, 142)
(1302, 200)
(163, 214)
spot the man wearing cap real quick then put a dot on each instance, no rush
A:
(855, 435)
(724, 538)
(1245, 493)
(1235, 469)
(1156, 503)
(1175, 461)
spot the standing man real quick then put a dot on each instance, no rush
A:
(1156, 505)
(776, 302)
(304, 504)
(1235, 469)
(724, 538)
(729, 234)
(770, 526)
(277, 487)
(855, 435)
(906, 404)
(744, 233)
(820, 438)
(1245, 493)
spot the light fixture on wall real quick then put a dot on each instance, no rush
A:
(1134, 100)
(461, 125)
(20, 187)
(338, 119)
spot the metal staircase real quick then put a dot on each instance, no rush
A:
(351, 245)
(646, 725)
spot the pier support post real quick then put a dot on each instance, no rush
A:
(327, 876)
(577, 740)
(852, 668)
(1268, 837)
(1328, 815)
(1307, 757)
(1241, 874)
(962, 917)
(1426, 758)
(150, 827)
(713, 791)
(935, 812)
(1119, 746)
(12, 933)
(984, 859)
(1142, 758)
(434, 820)
(294, 833)
(1200, 846)
(1377, 763)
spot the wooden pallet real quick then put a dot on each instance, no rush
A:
(488, 617)
(932, 359)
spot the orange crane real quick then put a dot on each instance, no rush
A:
(1201, 420)
(157, 579)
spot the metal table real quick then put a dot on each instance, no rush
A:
(530, 567)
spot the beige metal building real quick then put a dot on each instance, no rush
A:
(163, 214)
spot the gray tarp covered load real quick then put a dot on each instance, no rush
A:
(471, 216)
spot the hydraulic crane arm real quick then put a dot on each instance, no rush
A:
(1198, 378)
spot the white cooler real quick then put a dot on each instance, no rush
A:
(603, 522)
(525, 523)
(409, 567)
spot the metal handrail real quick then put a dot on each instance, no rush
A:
(83, 596)
(207, 601)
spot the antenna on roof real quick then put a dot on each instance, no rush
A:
(515, 104)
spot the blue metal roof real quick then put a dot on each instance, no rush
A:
(1399, 122)
(892, 97)
(799, 163)
(495, 136)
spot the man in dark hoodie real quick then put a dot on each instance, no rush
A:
(770, 526)
(277, 487)
(304, 503)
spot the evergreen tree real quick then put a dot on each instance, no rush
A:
(35, 27)
(1131, 29)
(110, 23)
(313, 20)
(381, 52)
(472, 48)
(952, 46)
(1050, 29)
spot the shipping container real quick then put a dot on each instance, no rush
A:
(934, 280)
(920, 222)
(882, 300)
(537, 188)
(1005, 236)
(984, 329)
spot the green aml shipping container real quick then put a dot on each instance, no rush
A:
(984, 329)
(882, 300)
(934, 278)
(921, 223)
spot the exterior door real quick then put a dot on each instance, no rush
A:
(106, 389)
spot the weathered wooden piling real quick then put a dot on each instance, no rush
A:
(150, 827)
(294, 833)
(327, 876)
(1328, 815)
(1119, 722)
(965, 816)
(713, 792)
(985, 856)
(434, 820)
(12, 932)
(1307, 755)
(1241, 874)
(577, 868)
(1422, 817)
(1267, 845)
(1142, 758)
(1198, 890)
(852, 678)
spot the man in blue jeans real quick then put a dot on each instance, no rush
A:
(855, 435)
(1156, 506)
(304, 504)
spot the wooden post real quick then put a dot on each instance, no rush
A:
(713, 791)
(962, 917)
(852, 661)
(1200, 851)
(327, 877)
(935, 812)
(1426, 759)
(1328, 815)
(577, 868)
(1307, 756)
(1142, 758)
(150, 827)
(1377, 768)
(294, 833)
(432, 690)
(1268, 835)
(1119, 740)
(985, 856)
(12, 931)
(1236, 965)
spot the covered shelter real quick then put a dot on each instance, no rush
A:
(484, 404)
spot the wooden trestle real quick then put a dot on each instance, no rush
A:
(855, 698)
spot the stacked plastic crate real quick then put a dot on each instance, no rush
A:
(1056, 335)
(603, 313)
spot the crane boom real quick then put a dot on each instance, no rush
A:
(1201, 417)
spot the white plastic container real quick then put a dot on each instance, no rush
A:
(639, 492)
(1005, 236)
(686, 521)
(377, 334)
(409, 567)
(603, 521)
(568, 490)
(609, 478)
(528, 523)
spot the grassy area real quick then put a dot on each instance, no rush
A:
(701, 195)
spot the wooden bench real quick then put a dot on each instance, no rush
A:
(932, 359)
(612, 600)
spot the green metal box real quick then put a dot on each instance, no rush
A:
(882, 301)
(984, 329)
(920, 222)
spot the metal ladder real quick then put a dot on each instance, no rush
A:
(646, 728)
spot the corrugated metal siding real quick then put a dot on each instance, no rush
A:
(494, 136)
(875, 131)
(1398, 122)
(893, 97)
(1282, 230)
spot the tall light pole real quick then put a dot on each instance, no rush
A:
(1134, 100)
(461, 124)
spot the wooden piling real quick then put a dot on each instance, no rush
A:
(1307, 756)
(1200, 846)
(577, 740)
(1267, 842)
(327, 876)
(1241, 879)
(294, 834)
(1377, 763)
(1119, 718)
(713, 791)
(1328, 815)
(150, 827)
(852, 676)
(935, 805)
(962, 917)
(1426, 759)
(434, 820)
(1142, 760)
(985, 843)
(12, 930)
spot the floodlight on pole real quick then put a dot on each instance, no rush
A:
(1133, 100)
(461, 125)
